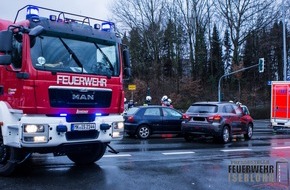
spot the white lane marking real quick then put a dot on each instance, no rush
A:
(281, 147)
(177, 153)
(236, 150)
(117, 155)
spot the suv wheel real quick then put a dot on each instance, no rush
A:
(143, 132)
(226, 136)
(249, 133)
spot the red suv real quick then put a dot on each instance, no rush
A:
(220, 120)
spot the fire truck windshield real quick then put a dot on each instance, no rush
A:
(68, 55)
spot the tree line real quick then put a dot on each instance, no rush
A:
(181, 48)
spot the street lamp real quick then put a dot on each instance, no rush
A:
(284, 43)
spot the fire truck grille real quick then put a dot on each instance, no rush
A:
(75, 98)
(79, 135)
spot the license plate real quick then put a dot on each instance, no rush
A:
(83, 126)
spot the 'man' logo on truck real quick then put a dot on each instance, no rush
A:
(82, 97)
(80, 80)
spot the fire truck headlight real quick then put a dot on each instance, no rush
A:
(34, 128)
(118, 129)
(40, 139)
(35, 133)
(118, 125)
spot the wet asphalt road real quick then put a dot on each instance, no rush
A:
(166, 162)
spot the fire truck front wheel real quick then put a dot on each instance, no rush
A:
(88, 157)
(9, 157)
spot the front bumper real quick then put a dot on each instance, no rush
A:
(280, 125)
(64, 148)
(56, 131)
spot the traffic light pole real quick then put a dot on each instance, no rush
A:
(219, 85)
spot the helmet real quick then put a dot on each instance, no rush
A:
(148, 98)
(164, 98)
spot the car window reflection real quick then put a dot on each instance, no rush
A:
(152, 112)
(170, 113)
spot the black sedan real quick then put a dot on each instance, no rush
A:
(144, 121)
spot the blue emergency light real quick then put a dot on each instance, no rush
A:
(32, 13)
(108, 26)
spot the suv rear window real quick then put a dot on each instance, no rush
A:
(202, 109)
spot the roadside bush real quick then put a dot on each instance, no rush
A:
(260, 112)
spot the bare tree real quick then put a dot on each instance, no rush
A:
(195, 17)
(147, 16)
(243, 16)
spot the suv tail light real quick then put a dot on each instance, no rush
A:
(214, 118)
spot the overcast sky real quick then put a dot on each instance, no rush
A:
(91, 8)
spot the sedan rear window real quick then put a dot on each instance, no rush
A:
(202, 109)
(132, 111)
(152, 112)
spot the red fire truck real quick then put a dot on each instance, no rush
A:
(61, 86)
(280, 105)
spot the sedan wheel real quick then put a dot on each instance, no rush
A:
(143, 132)
(249, 133)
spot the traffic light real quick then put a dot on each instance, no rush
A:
(261, 65)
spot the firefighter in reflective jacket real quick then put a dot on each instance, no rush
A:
(147, 100)
(165, 101)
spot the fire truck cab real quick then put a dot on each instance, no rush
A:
(61, 86)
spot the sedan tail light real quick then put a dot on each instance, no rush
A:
(214, 118)
(130, 119)
(186, 117)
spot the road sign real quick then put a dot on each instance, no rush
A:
(131, 87)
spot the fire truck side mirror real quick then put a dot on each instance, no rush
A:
(36, 31)
(127, 64)
(33, 33)
(126, 57)
(127, 73)
(5, 47)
